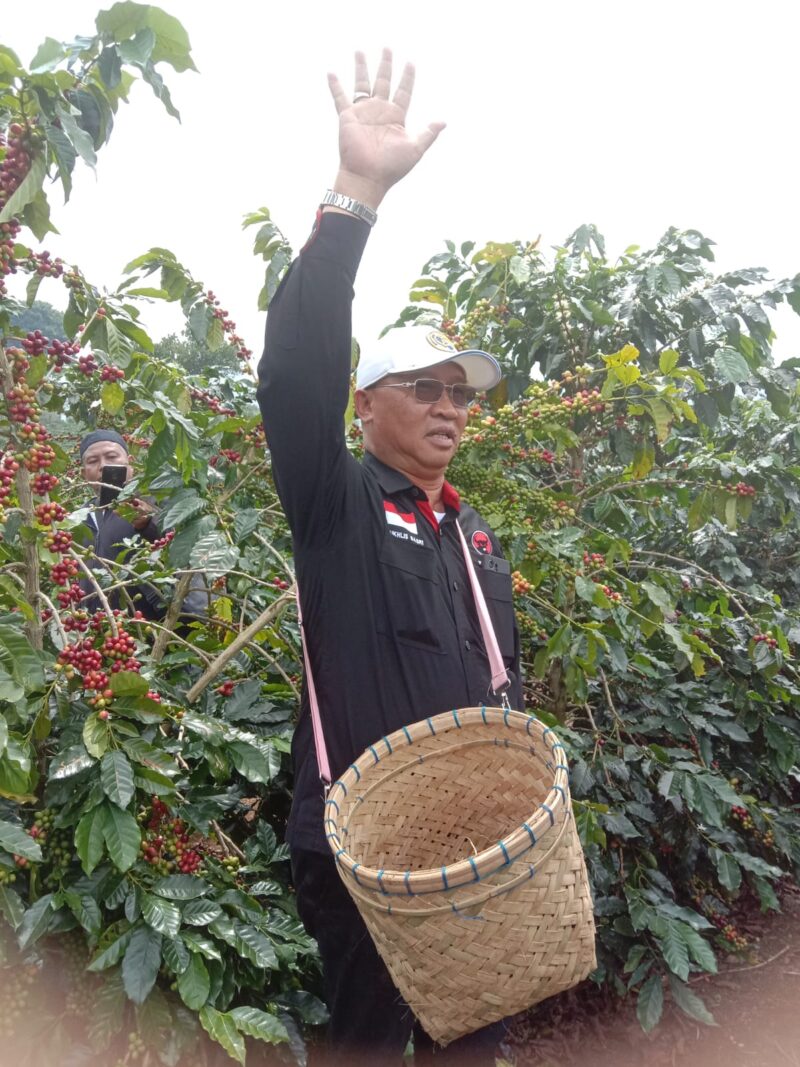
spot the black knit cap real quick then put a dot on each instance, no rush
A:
(102, 435)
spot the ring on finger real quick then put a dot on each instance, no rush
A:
(361, 95)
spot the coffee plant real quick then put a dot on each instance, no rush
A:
(638, 463)
(144, 776)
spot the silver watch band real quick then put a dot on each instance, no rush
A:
(351, 206)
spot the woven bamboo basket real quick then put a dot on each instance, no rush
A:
(456, 840)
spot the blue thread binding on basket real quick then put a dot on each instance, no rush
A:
(408, 735)
(338, 854)
(562, 767)
(549, 730)
(333, 802)
(483, 715)
(504, 850)
(386, 742)
(475, 869)
(558, 745)
(505, 716)
(353, 767)
(341, 784)
(444, 878)
(531, 834)
(375, 755)
(560, 789)
(354, 873)
(455, 716)
(406, 877)
(430, 727)
(550, 813)
(380, 883)
(528, 726)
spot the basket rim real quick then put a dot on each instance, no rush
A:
(489, 860)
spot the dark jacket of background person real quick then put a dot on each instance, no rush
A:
(110, 531)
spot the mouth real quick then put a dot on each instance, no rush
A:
(443, 436)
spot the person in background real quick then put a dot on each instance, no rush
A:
(107, 448)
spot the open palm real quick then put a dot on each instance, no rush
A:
(375, 150)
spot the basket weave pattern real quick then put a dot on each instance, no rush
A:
(456, 840)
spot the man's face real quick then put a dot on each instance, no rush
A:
(103, 454)
(418, 439)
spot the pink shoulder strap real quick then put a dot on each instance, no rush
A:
(500, 679)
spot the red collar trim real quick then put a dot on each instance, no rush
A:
(450, 497)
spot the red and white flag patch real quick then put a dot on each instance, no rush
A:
(405, 520)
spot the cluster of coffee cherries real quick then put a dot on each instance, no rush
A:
(109, 373)
(87, 364)
(210, 401)
(742, 816)
(63, 572)
(162, 542)
(228, 325)
(8, 260)
(594, 559)
(49, 512)
(766, 639)
(732, 937)
(32, 447)
(280, 583)
(56, 845)
(22, 142)
(91, 660)
(62, 352)
(226, 688)
(520, 585)
(166, 841)
(742, 489)
(8, 472)
(611, 593)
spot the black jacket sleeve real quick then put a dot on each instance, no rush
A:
(304, 376)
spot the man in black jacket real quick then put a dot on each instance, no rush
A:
(107, 448)
(389, 616)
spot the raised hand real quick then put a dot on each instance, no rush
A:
(375, 150)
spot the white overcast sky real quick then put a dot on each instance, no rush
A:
(631, 114)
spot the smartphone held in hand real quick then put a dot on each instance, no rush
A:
(112, 479)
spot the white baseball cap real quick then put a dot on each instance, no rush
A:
(416, 347)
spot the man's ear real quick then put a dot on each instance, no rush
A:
(364, 400)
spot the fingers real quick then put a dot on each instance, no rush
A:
(402, 96)
(428, 136)
(361, 83)
(340, 98)
(383, 79)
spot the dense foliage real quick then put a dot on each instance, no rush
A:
(639, 465)
(645, 485)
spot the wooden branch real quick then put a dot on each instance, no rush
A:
(89, 574)
(238, 644)
(171, 618)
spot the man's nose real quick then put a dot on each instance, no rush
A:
(445, 406)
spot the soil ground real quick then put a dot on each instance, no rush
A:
(755, 1002)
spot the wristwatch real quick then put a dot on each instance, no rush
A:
(351, 206)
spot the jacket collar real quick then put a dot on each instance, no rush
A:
(392, 481)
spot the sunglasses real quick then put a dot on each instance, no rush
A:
(429, 390)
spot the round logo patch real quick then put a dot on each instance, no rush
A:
(481, 542)
(440, 341)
